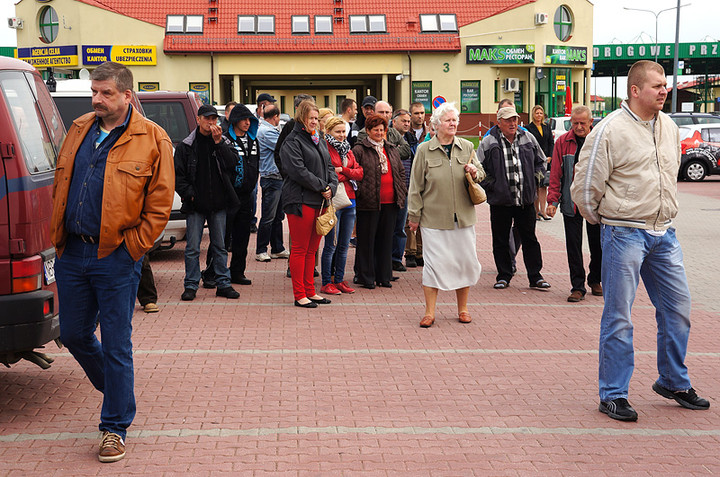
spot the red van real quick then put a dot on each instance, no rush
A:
(31, 132)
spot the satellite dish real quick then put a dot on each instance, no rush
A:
(84, 74)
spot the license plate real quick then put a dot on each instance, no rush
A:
(49, 266)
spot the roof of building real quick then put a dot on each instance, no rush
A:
(220, 23)
(699, 81)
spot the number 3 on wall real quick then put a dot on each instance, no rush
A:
(446, 67)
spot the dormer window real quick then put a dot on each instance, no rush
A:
(323, 24)
(184, 24)
(301, 25)
(367, 24)
(443, 23)
(256, 24)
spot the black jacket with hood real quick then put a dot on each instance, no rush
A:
(247, 162)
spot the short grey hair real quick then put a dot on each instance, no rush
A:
(441, 111)
(581, 109)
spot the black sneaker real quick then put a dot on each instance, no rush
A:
(619, 409)
(188, 294)
(398, 266)
(227, 292)
(240, 280)
(410, 261)
(688, 399)
(420, 262)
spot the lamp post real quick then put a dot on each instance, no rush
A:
(657, 14)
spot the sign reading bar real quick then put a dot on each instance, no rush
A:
(500, 54)
(422, 93)
(129, 55)
(565, 55)
(469, 96)
(664, 51)
(49, 55)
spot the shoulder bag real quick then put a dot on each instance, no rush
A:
(327, 220)
(477, 193)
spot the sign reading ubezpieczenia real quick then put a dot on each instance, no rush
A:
(565, 55)
(499, 54)
(131, 55)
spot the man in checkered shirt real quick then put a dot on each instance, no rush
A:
(513, 161)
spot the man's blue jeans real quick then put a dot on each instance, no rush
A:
(92, 289)
(338, 247)
(399, 236)
(216, 225)
(270, 229)
(628, 254)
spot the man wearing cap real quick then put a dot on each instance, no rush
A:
(263, 100)
(512, 159)
(204, 162)
(367, 108)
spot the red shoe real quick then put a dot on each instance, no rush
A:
(330, 289)
(344, 287)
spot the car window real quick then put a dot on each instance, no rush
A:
(169, 115)
(682, 120)
(38, 146)
(708, 120)
(685, 133)
(72, 107)
(713, 135)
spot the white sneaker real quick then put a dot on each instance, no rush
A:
(262, 257)
(284, 254)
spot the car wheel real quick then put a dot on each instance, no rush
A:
(694, 171)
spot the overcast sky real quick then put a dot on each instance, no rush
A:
(612, 24)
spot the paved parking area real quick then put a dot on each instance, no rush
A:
(258, 386)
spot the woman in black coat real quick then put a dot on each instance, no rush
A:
(310, 179)
(543, 134)
(380, 195)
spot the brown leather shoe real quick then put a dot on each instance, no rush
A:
(464, 317)
(112, 448)
(427, 321)
(596, 289)
(576, 296)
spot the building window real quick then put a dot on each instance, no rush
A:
(367, 24)
(323, 24)
(49, 25)
(438, 23)
(301, 24)
(260, 24)
(184, 24)
(563, 23)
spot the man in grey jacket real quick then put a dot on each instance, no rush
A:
(626, 180)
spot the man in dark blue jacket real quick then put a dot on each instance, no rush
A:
(512, 160)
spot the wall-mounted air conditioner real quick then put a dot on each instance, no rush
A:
(511, 85)
(541, 18)
(14, 22)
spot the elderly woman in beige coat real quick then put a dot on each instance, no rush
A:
(438, 201)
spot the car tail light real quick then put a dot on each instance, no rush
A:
(27, 274)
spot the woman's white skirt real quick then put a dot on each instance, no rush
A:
(450, 258)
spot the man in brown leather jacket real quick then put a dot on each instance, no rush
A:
(112, 197)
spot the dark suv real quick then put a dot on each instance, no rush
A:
(174, 111)
(686, 119)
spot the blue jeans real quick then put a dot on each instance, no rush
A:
(216, 225)
(628, 254)
(344, 228)
(92, 289)
(399, 236)
(270, 229)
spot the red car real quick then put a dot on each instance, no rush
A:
(700, 145)
(31, 132)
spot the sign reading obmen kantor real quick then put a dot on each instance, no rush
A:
(565, 55)
(129, 55)
(499, 54)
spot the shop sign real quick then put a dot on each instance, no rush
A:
(152, 86)
(129, 55)
(565, 55)
(49, 55)
(202, 89)
(469, 96)
(500, 54)
(422, 93)
(664, 51)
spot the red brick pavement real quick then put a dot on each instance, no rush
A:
(260, 387)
